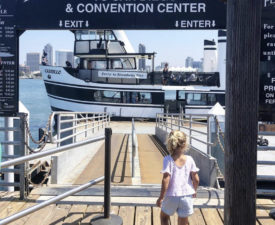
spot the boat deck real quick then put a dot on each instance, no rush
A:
(81, 211)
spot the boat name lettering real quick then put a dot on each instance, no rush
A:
(53, 71)
(128, 75)
(186, 7)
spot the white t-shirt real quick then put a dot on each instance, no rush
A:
(180, 182)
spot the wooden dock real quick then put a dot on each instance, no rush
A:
(82, 213)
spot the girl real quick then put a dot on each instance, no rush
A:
(180, 181)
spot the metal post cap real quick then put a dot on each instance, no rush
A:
(112, 220)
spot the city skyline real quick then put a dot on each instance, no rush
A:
(173, 46)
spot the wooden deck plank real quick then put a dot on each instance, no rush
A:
(31, 202)
(143, 215)
(263, 217)
(5, 201)
(114, 210)
(211, 216)
(266, 204)
(38, 217)
(92, 212)
(156, 215)
(196, 218)
(75, 215)
(12, 208)
(127, 213)
(58, 215)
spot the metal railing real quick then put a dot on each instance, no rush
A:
(191, 124)
(50, 201)
(75, 126)
(16, 145)
(106, 178)
(134, 146)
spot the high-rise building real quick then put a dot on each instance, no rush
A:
(24, 70)
(49, 50)
(61, 56)
(189, 62)
(198, 65)
(33, 61)
(142, 62)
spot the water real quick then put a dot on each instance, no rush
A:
(33, 95)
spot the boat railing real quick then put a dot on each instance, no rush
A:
(153, 78)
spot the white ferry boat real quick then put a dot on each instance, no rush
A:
(107, 80)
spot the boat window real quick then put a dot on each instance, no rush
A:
(196, 99)
(221, 98)
(137, 97)
(128, 63)
(145, 98)
(116, 64)
(91, 64)
(212, 99)
(181, 95)
(107, 96)
(170, 95)
(109, 35)
(85, 35)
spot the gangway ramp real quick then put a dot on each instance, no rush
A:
(120, 163)
(151, 154)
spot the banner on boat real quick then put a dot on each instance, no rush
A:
(122, 74)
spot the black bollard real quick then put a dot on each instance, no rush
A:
(107, 219)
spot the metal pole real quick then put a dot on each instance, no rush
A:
(208, 136)
(23, 138)
(58, 129)
(107, 219)
(133, 147)
(190, 130)
(49, 202)
(9, 150)
(107, 173)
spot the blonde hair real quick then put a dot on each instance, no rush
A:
(177, 140)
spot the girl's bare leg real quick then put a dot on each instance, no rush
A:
(164, 218)
(183, 221)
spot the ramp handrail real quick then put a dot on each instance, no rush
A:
(171, 121)
(27, 158)
(90, 122)
(50, 201)
(134, 146)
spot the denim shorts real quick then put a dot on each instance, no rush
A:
(183, 205)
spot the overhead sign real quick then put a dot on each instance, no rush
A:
(121, 14)
(122, 74)
(8, 60)
(267, 77)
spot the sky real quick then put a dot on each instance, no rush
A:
(171, 46)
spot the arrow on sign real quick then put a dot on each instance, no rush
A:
(213, 23)
(60, 23)
(87, 23)
(177, 24)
